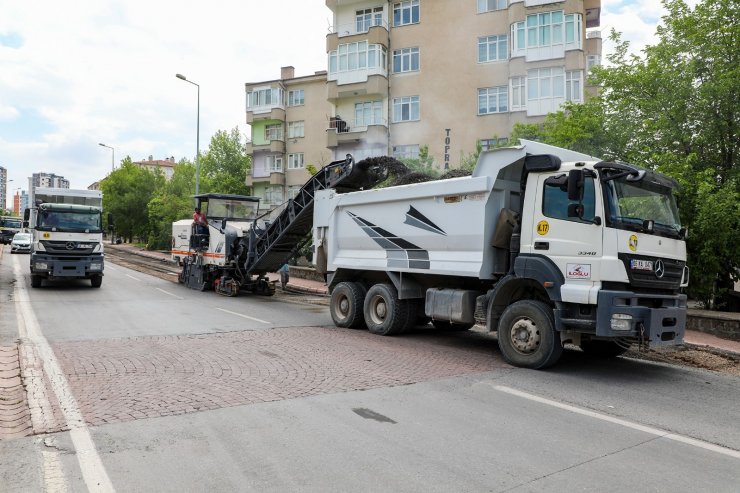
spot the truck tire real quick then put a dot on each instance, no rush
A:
(451, 326)
(96, 281)
(527, 336)
(602, 349)
(346, 305)
(385, 314)
(36, 281)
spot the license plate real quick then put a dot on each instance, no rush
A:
(641, 265)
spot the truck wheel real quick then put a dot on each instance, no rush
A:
(451, 326)
(96, 281)
(527, 336)
(346, 305)
(602, 349)
(36, 281)
(384, 313)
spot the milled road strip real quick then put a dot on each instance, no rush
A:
(622, 422)
(94, 473)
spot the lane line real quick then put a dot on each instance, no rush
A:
(244, 316)
(134, 278)
(623, 422)
(171, 294)
(93, 472)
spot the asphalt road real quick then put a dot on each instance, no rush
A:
(160, 388)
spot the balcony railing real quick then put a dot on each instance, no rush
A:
(342, 126)
(358, 27)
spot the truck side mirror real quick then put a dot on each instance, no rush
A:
(26, 214)
(575, 210)
(25, 224)
(575, 184)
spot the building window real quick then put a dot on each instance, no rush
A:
(368, 113)
(295, 161)
(406, 151)
(592, 61)
(357, 56)
(545, 83)
(406, 109)
(574, 85)
(367, 18)
(295, 129)
(293, 191)
(488, 144)
(274, 195)
(493, 100)
(492, 48)
(265, 97)
(518, 94)
(295, 97)
(406, 60)
(406, 13)
(275, 164)
(489, 5)
(274, 132)
(546, 29)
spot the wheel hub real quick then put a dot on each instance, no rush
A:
(525, 336)
(344, 306)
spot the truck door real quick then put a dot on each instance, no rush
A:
(572, 243)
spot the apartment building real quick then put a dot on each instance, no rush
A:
(446, 75)
(3, 187)
(166, 166)
(288, 119)
(45, 180)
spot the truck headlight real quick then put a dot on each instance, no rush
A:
(96, 266)
(39, 247)
(621, 321)
(41, 266)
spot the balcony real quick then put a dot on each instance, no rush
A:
(592, 9)
(344, 132)
(265, 113)
(274, 146)
(374, 85)
(273, 178)
(348, 33)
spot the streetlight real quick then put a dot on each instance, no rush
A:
(197, 135)
(112, 156)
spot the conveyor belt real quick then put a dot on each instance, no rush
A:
(271, 248)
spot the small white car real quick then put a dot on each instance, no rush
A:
(21, 243)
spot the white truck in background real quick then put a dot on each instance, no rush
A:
(67, 235)
(549, 245)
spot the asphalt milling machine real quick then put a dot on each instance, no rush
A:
(239, 247)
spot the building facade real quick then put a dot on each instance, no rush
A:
(20, 203)
(447, 76)
(165, 166)
(45, 180)
(3, 187)
(288, 120)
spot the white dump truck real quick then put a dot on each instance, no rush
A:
(549, 246)
(67, 235)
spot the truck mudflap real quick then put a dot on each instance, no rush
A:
(655, 320)
(72, 267)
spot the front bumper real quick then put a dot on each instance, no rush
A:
(656, 320)
(71, 267)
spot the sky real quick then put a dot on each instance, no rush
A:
(76, 74)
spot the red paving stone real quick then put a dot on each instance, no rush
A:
(126, 379)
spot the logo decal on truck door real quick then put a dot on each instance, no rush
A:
(399, 252)
(419, 220)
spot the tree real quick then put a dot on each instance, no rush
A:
(126, 193)
(674, 109)
(171, 202)
(225, 165)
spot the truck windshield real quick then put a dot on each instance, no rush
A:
(73, 222)
(231, 209)
(631, 203)
(11, 223)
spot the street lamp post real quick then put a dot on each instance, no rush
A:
(197, 135)
(112, 156)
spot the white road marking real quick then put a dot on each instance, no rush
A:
(108, 267)
(244, 316)
(93, 472)
(171, 294)
(623, 422)
(134, 278)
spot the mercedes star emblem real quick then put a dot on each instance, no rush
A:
(659, 269)
(70, 245)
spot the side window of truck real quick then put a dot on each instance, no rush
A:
(555, 200)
